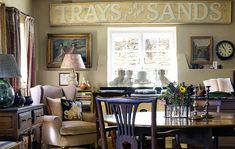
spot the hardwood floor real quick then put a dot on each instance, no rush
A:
(168, 146)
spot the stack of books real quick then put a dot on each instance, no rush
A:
(84, 96)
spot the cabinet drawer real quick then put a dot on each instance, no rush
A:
(37, 116)
(25, 120)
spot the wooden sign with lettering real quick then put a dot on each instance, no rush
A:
(148, 12)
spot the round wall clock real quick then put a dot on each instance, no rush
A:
(224, 49)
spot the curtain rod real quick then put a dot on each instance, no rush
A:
(25, 14)
(22, 13)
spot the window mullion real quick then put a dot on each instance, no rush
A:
(133, 55)
(142, 52)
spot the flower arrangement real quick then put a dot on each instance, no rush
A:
(177, 94)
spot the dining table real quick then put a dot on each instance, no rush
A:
(143, 119)
(201, 130)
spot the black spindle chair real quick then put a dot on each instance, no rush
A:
(125, 110)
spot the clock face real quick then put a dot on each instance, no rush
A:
(224, 49)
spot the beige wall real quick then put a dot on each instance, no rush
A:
(98, 73)
(23, 5)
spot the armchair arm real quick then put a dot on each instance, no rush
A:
(51, 118)
(89, 117)
(51, 129)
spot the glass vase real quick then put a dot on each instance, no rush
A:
(177, 111)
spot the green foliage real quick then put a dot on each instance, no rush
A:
(178, 94)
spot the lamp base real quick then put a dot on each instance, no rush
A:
(72, 79)
(7, 94)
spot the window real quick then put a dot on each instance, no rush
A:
(137, 48)
(23, 53)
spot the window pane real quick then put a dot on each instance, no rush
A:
(23, 56)
(147, 49)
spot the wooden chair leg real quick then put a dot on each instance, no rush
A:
(161, 143)
(113, 137)
(215, 142)
(190, 146)
(176, 142)
(142, 142)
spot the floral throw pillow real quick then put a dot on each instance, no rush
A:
(72, 110)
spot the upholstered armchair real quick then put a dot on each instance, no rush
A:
(55, 131)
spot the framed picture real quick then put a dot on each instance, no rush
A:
(201, 50)
(60, 44)
(63, 78)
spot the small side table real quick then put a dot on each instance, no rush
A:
(17, 122)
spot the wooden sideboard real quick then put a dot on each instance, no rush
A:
(19, 121)
(227, 104)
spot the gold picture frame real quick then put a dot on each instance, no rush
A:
(60, 44)
(63, 78)
(201, 50)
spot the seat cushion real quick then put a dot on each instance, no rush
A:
(77, 127)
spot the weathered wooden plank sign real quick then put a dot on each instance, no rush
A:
(184, 11)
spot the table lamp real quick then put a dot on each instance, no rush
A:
(8, 69)
(74, 62)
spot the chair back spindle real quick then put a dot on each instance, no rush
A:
(124, 110)
(108, 110)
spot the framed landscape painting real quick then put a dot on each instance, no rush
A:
(201, 50)
(61, 44)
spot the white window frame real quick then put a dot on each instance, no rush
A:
(24, 64)
(171, 30)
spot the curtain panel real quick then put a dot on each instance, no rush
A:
(14, 45)
(31, 58)
(13, 39)
(2, 28)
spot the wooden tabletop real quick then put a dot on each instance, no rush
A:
(143, 119)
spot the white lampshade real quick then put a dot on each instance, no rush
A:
(73, 61)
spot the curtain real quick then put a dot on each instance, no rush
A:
(2, 28)
(30, 45)
(13, 39)
(14, 47)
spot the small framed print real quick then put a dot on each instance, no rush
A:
(201, 50)
(64, 78)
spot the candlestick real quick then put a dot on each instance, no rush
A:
(206, 115)
(194, 115)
